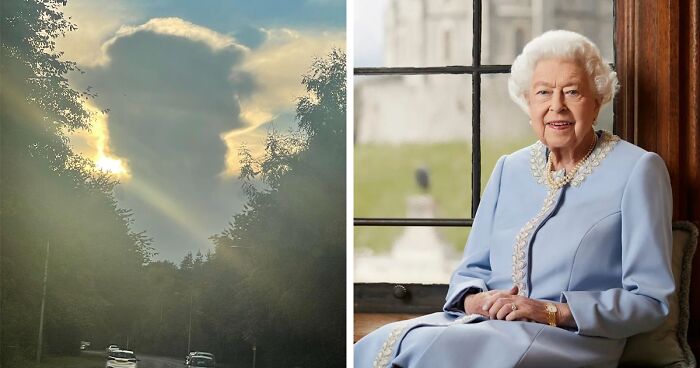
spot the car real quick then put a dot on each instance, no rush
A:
(121, 359)
(199, 353)
(205, 354)
(111, 348)
(200, 361)
(190, 355)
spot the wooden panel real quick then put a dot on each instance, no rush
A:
(689, 117)
(657, 107)
(380, 298)
(689, 142)
(625, 54)
(367, 322)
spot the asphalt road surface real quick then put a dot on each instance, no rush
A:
(149, 361)
(152, 361)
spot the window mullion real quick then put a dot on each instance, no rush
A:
(452, 69)
(407, 221)
(476, 108)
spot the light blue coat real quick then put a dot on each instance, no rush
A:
(602, 244)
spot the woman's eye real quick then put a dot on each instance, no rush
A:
(542, 92)
(572, 92)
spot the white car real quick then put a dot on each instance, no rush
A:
(204, 354)
(121, 359)
(198, 353)
(200, 361)
(111, 348)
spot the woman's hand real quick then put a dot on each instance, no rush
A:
(508, 305)
(517, 308)
(474, 303)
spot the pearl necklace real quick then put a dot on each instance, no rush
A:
(560, 182)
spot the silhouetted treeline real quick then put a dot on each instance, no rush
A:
(51, 195)
(275, 280)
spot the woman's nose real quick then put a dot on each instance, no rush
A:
(558, 103)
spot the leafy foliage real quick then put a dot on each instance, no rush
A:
(290, 239)
(267, 283)
(50, 195)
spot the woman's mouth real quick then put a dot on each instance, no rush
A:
(559, 124)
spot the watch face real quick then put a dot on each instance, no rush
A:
(551, 308)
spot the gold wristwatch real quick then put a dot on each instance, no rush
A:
(551, 314)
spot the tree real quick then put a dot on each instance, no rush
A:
(293, 275)
(48, 193)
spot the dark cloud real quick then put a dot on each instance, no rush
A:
(170, 99)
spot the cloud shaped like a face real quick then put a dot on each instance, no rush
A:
(173, 88)
(182, 98)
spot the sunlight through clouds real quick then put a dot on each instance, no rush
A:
(277, 65)
(95, 144)
(169, 207)
(183, 98)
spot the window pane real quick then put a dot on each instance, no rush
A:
(504, 126)
(413, 146)
(413, 254)
(605, 117)
(508, 25)
(412, 33)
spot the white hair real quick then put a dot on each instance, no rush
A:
(567, 45)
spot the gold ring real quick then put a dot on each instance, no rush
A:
(513, 307)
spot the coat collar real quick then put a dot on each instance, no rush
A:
(539, 152)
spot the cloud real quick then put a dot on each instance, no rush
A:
(96, 22)
(95, 144)
(278, 65)
(282, 59)
(172, 89)
(182, 98)
(250, 36)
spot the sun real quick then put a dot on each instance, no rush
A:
(110, 165)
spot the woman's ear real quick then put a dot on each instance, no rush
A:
(598, 104)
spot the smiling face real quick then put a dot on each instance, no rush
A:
(562, 104)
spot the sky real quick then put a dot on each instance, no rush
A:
(368, 37)
(180, 86)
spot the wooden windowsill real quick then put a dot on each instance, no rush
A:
(368, 322)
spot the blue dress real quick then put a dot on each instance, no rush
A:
(601, 243)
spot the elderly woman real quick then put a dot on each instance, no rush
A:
(570, 249)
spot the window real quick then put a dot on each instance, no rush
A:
(428, 131)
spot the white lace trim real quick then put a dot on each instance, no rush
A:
(387, 351)
(521, 240)
(538, 159)
(538, 167)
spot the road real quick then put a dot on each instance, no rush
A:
(150, 361)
